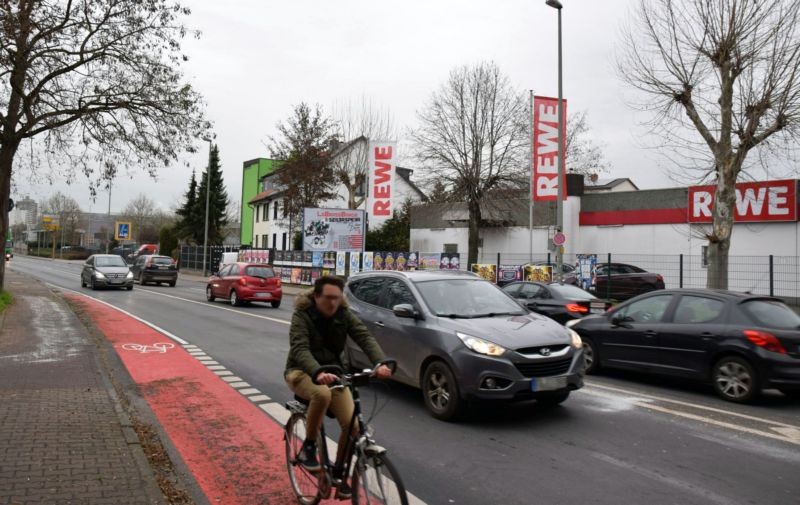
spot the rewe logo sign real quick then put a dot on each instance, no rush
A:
(545, 148)
(755, 201)
(381, 197)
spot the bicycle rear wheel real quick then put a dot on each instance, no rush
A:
(376, 482)
(308, 486)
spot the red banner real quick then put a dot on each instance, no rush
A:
(545, 148)
(755, 202)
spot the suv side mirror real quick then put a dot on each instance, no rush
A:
(405, 310)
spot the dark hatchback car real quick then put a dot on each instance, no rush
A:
(620, 281)
(106, 270)
(459, 337)
(156, 269)
(740, 343)
(245, 282)
(561, 302)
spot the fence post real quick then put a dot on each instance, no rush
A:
(608, 274)
(498, 260)
(771, 275)
(680, 281)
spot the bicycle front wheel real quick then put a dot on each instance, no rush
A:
(376, 482)
(306, 485)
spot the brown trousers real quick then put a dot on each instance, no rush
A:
(321, 398)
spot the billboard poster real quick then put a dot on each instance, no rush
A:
(296, 272)
(333, 229)
(585, 270)
(329, 260)
(413, 262)
(286, 274)
(277, 271)
(316, 273)
(388, 261)
(316, 259)
(486, 271)
(341, 258)
(367, 262)
(401, 261)
(381, 190)
(450, 261)
(537, 273)
(279, 257)
(305, 276)
(308, 258)
(377, 260)
(355, 262)
(429, 261)
(544, 171)
(508, 273)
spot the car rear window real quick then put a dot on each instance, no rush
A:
(162, 260)
(263, 272)
(570, 292)
(772, 314)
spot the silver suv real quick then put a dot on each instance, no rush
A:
(459, 337)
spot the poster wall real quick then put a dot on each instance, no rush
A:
(486, 271)
(586, 266)
(333, 229)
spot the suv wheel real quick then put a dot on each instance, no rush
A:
(440, 391)
(590, 359)
(735, 379)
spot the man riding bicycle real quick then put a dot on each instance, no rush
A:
(320, 326)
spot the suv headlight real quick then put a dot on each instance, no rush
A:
(480, 345)
(577, 343)
(99, 274)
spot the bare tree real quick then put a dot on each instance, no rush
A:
(583, 156)
(357, 125)
(724, 75)
(67, 212)
(141, 211)
(97, 85)
(473, 135)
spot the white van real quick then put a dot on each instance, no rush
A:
(228, 258)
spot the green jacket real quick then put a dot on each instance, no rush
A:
(315, 341)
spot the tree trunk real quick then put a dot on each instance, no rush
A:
(474, 233)
(7, 151)
(719, 241)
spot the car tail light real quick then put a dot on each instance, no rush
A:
(278, 282)
(574, 307)
(242, 281)
(766, 340)
(659, 278)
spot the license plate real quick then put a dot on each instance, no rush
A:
(548, 383)
(597, 308)
(263, 295)
(163, 267)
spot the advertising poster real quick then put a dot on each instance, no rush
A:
(545, 149)
(316, 273)
(327, 271)
(308, 258)
(355, 262)
(286, 274)
(450, 261)
(305, 276)
(296, 273)
(585, 270)
(388, 261)
(377, 260)
(279, 257)
(333, 229)
(341, 258)
(277, 271)
(316, 259)
(401, 261)
(537, 273)
(329, 260)
(429, 261)
(367, 263)
(508, 273)
(413, 262)
(486, 271)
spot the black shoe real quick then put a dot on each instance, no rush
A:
(308, 457)
(344, 492)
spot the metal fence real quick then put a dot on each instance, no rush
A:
(767, 275)
(191, 257)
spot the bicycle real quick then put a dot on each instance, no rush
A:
(374, 478)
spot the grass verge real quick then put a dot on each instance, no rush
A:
(5, 300)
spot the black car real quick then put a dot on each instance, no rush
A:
(155, 269)
(106, 270)
(561, 302)
(741, 343)
(620, 281)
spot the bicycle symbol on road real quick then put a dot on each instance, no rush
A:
(160, 347)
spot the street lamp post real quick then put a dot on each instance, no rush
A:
(560, 201)
(208, 192)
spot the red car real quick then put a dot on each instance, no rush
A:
(245, 282)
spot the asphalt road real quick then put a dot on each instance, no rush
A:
(624, 438)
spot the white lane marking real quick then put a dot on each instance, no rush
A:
(250, 391)
(238, 385)
(207, 363)
(204, 358)
(693, 405)
(232, 379)
(189, 346)
(645, 403)
(216, 367)
(259, 398)
(706, 495)
(147, 323)
(223, 372)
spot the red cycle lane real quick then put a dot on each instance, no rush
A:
(234, 451)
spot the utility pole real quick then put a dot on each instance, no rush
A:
(208, 193)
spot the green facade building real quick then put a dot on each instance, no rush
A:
(252, 172)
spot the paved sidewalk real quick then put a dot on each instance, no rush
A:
(64, 438)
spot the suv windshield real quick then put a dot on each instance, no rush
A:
(109, 261)
(467, 298)
(772, 314)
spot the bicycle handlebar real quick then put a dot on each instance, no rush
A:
(337, 370)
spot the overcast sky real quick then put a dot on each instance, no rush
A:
(256, 59)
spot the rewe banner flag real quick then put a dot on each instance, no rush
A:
(382, 196)
(545, 149)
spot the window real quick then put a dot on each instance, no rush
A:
(263, 272)
(264, 241)
(697, 309)
(530, 291)
(649, 310)
(283, 242)
(275, 211)
(225, 270)
(265, 215)
(451, 248)
(396, 293)
(256, 242)
(704, 256)
(274, 240)
(513, 289)
(234, 270)
(772, 314)
(368, 290)
(284, 209)
(258, 213)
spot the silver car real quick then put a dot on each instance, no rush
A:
(106, 270)
(459, 337)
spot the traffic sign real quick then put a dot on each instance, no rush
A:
(122, 230)
(559, 239)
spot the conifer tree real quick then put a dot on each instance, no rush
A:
(217, 204)
(186, 227)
